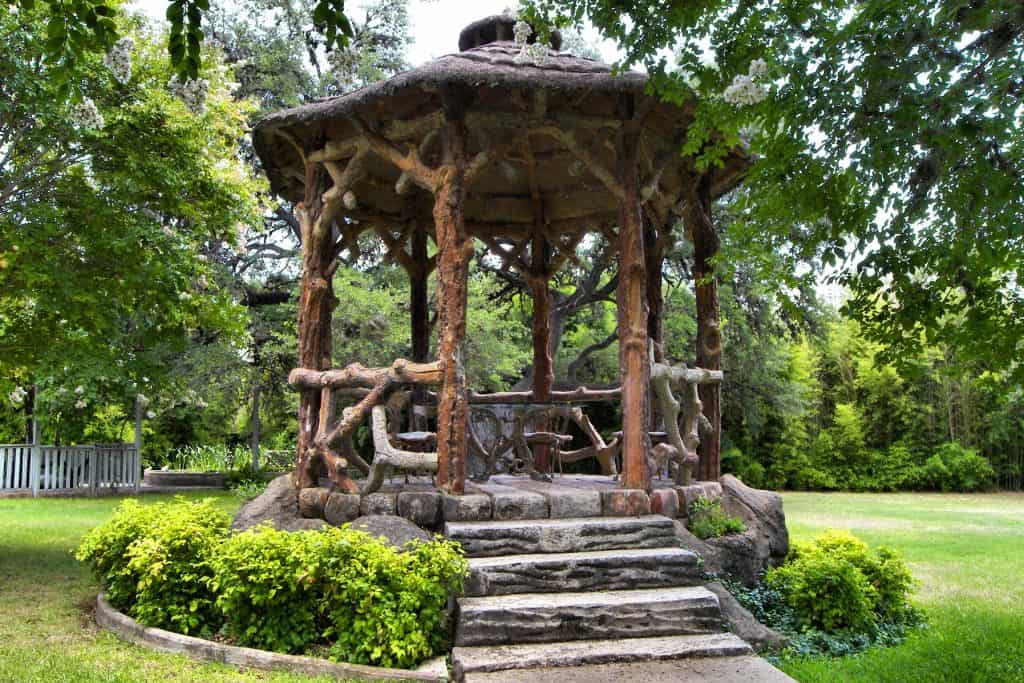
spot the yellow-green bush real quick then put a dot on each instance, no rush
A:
(269, 587)
(837, 583)
(172, 563)
(177, 566)
(105, 550)
(385, 607)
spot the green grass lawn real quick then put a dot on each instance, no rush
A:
(968, 552)
(46, 598)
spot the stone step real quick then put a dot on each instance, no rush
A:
(587, 571)
(481, 659)
(553, 617)
(489, 539)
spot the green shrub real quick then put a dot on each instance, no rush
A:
(968, 471)
(708, 520)
(105, 550)
(827, 592)
(173, 565)
(748, 470)
(836, 583)
(268, 587)
(388, 608)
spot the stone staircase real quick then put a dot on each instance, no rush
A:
(572, 592)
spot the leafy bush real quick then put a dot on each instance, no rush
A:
(828, 592)
(176, 566)
(708, 520)
(247, 489)
(389, 608)
(836, 583)
(153, 561)
(268, 587)
(748, 470)
(173, 565)
(967, 470)
(105, 550)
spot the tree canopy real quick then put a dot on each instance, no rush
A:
(889, 146)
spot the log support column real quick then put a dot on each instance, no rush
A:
(454, 251)
(631, 296)
(316, 308)
(706, 243)
(418, 298)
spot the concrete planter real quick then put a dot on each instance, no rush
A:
(206, 650)
(172, 478)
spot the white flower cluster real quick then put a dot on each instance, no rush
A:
(744, 89)
(81, 403)
(18, 396)
(119, 60)
(192, 92)
(150, 414)
(522, 31)
(528, 52)
(534, 52)
(86, 116)
(744, 92)
(758, 69)
(79, 390)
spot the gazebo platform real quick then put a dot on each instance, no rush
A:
(507, 498)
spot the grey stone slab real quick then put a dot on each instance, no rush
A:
(690, 669)
(341, 508)
(469, 507)
(468, 660)
(379, 504)
(554, 617)
(595, 570)
(420, 507)
(565, 501)
(508, 502)
(486, 539)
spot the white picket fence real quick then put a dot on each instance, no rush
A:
(85, 470)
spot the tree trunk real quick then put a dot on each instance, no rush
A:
(316, 306)
(709, 336)
(455, 248)
(255, 422)
(634, 362)
(30, 409)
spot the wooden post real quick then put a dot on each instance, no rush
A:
(655, 237)
(454, 250)
(418, 282)
(631, 298)
(316, 306)
(137, 460)
(709, 337)
(37, 450)
(543, 370)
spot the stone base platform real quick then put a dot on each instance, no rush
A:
(506, 498)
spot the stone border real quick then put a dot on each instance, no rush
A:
(206, 650)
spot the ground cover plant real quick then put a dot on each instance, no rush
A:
(708, 520)
(176, 566)
(835, 596)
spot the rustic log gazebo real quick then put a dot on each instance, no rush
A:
(527, 156)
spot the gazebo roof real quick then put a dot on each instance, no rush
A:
(550, 124)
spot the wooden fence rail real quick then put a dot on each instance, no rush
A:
(69, 469)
